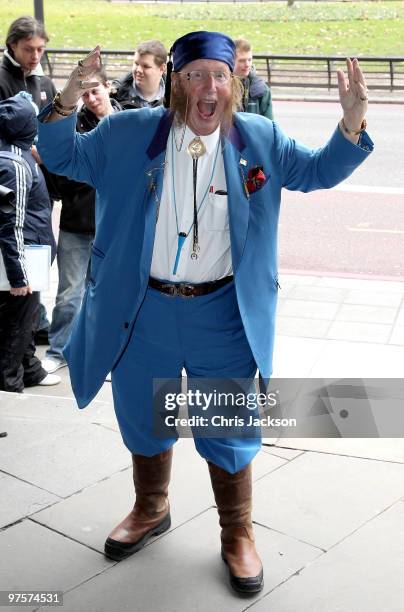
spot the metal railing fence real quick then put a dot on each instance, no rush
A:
(319, 71)
(289, 71)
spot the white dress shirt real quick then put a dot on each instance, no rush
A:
(214, 256)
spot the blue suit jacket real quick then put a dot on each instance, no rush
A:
(123, 159)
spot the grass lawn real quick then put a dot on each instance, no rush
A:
(346, 28)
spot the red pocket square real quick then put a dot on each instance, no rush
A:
(255, 179)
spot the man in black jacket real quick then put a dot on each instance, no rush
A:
(257, 97)
(21, 69)
(145, 85)
(24, 219)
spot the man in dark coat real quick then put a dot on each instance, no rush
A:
(145, 85)
(256, 93)
(25, 218)
(21, 69)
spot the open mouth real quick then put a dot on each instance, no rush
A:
(206, 108)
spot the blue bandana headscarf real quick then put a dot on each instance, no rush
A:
(203, 45)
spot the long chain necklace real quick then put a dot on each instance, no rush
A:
(196, 149)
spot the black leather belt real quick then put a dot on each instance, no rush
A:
(186, 289)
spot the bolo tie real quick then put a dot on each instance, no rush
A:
(196, 149)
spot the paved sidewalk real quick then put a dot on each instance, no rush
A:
(329, 513)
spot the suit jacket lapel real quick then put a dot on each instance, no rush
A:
(238, 201)
(154, 173)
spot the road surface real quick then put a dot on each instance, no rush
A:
(356, 229)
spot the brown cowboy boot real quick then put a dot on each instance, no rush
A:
(233, 495)
(151, 513)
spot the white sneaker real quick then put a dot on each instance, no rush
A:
(51, 365)
(49, 380)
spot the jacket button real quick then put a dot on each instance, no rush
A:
(126, 325)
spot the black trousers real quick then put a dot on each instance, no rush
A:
(19, 367)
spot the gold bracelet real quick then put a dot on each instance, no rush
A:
(58, 102)
(61, 112)
(353, 132)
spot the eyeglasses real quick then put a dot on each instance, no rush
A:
(200, 76)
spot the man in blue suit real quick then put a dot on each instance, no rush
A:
(184, 263)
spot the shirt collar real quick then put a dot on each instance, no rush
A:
(159, 93)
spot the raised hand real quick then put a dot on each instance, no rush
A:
(353, 95)
(82, 78)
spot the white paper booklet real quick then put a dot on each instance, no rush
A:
(38, 258)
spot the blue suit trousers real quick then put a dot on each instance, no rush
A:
(203, 335)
